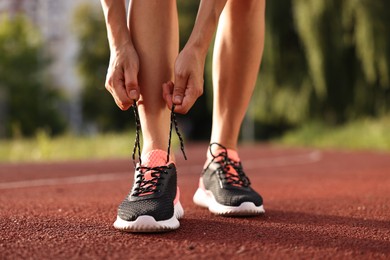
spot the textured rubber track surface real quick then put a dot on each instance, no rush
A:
(319, 204)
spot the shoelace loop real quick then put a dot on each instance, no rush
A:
(149, 186)
(239, 179)
(145, 187)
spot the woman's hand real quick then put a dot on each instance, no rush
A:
(122, 76)
(188, 86)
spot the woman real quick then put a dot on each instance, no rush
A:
(146, 67)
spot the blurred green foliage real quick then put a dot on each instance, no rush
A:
(43, 147)
(361, 134)
(28, 101)
(324, 60)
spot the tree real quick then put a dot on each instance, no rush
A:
(324, 60)
(29, 101)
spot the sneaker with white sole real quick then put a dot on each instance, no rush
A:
(225, 189)
(153, 203)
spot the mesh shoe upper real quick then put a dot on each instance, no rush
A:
(226, 179)
(153, 197)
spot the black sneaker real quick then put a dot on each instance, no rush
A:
(225, 189)
(153, 203)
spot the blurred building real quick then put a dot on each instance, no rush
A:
(54, 18)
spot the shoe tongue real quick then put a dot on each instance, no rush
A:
(153, 158)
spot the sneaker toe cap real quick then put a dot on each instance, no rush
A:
(159, 210)
(237, 197)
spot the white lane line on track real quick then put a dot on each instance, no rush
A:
(279, 161)
(60, 181)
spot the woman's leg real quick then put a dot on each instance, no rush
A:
(223, 187)
(237, 55)
(153, 204)
(154, 30)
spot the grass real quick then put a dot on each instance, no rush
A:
(67, 147)
(363, 134)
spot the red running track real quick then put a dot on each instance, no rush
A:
(319, 204)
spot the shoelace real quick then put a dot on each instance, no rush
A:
(224, 171)
(145, 187)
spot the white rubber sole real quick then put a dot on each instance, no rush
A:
(149, 224)
(205, 198)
